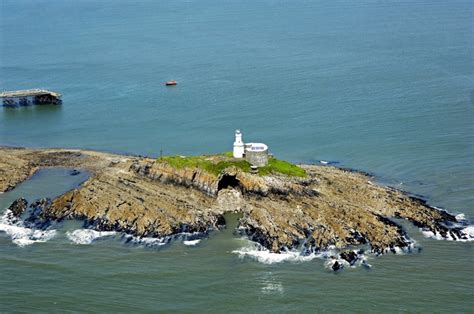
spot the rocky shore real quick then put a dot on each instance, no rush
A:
(329, 208)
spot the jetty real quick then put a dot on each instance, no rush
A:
(30, 97)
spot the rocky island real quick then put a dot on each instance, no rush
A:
(307, 208)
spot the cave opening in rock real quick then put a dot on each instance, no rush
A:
(228, 181)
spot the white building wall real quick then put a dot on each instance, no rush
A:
(239, 149)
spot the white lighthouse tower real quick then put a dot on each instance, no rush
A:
(239, 147)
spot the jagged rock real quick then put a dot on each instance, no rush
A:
(337, 266)
(349, 256)
(18, 207)
(35, 218)
(40, 204)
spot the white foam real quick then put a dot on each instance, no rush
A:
(147, 241)
(330, 262)
(87, 236)
(432, 235)
(264, 256)
(412, 245)
(191, 242)
(461, 217)
(21, 235)
(467, 232)
(324, 162)
(362, 259)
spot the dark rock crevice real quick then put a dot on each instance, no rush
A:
(228, 181)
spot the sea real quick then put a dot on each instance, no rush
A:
(383, 86)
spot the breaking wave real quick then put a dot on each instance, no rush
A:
(461, 217)
(267, 257)
(467, 235)
(146, 241)
(463, 233)
(331, 256)
(191, 242)
(20, 234)
(87, 236)
(189, 239)
(263, 255)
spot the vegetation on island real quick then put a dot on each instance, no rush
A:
(215, 164)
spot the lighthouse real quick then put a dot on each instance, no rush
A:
(239, 146)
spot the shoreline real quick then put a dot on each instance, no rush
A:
(331, 208)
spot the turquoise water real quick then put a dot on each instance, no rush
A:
(382, 86)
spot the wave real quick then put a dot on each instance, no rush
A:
(145, 241)
(461, 217)
(326, 162)
(20, 234)
(191, 242)
(332, 256)
(467, 235)
(469, 231)
(87, 236)
(189, 239)
(460, 230)
(266, 257)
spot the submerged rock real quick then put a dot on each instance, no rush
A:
(74, 172)
(337, 266)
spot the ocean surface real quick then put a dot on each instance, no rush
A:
(382, 86)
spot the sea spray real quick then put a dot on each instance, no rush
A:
(191, 242)
(460, 230)
(20, 234)
(188, 238)
(335, 259)
(87, 236)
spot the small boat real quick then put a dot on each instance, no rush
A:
(171, 83)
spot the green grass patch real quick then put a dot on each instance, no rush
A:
(211, 164)
(283, 167)
(215, 164)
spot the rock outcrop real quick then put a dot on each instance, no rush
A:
(18, 207)
(330, 207)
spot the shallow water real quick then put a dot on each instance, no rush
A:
(385, 87)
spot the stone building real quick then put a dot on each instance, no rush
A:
(255, 153)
